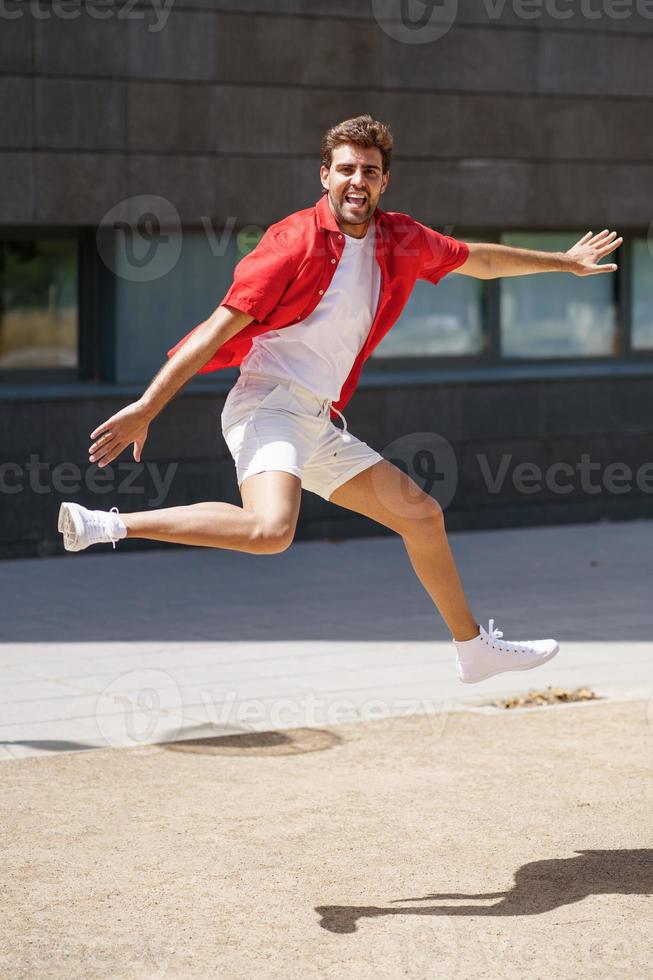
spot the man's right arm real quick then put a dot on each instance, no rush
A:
(209, 336)
(131, 424)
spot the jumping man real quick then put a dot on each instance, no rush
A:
(306, 308)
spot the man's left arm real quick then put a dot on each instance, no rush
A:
(490, 261)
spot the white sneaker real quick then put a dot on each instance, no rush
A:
(81, 527)
(487, 654)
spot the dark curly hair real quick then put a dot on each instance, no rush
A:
(361, 130)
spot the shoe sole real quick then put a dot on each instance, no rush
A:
(509, 670)
(69, 526)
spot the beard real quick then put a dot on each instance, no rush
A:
(346, 215)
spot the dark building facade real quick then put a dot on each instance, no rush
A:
(144, 147)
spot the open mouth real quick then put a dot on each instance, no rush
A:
(356, 200)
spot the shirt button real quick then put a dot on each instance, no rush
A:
(333, 261)
(299, 318)
(321, 292)
(339, 238)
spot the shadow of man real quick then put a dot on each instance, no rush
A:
(539, 887)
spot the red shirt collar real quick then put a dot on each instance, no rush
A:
(325, 217)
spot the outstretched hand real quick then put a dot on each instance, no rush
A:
(128, 425)
(587, 253)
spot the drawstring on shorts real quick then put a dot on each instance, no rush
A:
(327, 405)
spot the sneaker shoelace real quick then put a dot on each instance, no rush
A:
(113, 526)
(99, 524)
(494, 636)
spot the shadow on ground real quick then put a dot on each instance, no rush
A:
(540, 886)
(292, 741)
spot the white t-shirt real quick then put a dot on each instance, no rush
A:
(319, 351)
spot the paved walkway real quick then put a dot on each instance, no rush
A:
(130, 648)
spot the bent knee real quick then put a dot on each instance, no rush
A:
(273, 537)
(424, 517)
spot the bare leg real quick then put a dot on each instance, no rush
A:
(265, 524)
(387, 495)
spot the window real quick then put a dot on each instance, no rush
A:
(549, 316)
(128, 321)
(151, 316)
(642, 294)
(444, 320)
(38, 304)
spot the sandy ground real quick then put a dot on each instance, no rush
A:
(457, 845)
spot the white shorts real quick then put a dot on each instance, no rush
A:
(277, 424)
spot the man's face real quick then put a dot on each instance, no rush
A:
(355, 182)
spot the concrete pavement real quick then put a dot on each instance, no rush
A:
(131, 648)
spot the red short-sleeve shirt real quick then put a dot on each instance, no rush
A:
(283, 279)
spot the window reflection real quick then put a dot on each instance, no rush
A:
(441, 320)
(38, 304)
(556, 315)
(642, 294)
